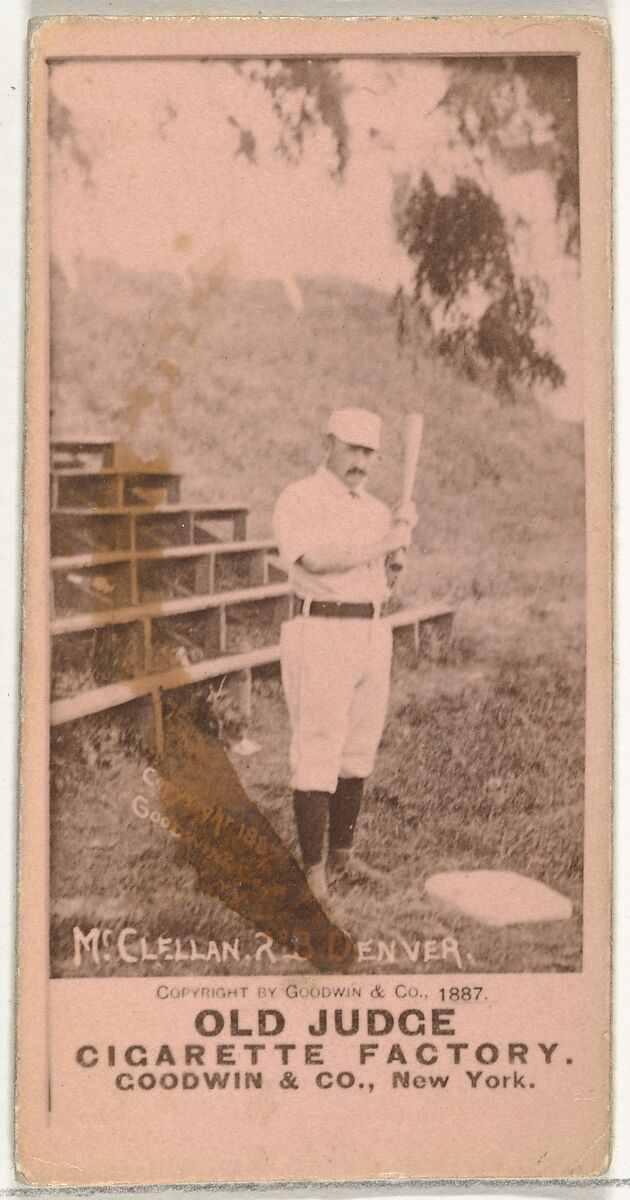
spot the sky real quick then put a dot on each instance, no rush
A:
(168, 189)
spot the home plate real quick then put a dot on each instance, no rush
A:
(499, 897)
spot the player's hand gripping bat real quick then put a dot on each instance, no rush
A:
(412, 440)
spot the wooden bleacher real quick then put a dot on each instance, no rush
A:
(136, 576)
(147, 597)
(74, 529)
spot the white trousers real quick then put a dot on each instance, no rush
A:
(335, 675)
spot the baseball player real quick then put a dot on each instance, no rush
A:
(334, 539)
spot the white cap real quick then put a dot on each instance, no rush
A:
(356, 426)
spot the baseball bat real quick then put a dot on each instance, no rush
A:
(412, 441)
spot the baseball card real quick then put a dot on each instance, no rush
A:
(316, 722)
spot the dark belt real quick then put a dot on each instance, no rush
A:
(336, 608)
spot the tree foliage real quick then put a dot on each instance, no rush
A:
(305, 94)
(521, 111)
(466, 294)
(63, 134)
(524, 111)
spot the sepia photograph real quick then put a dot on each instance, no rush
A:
(317, 516)
(316, 655)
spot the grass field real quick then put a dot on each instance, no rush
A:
(482, 759)
(480, 766)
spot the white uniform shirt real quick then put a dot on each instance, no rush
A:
(320, 512)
